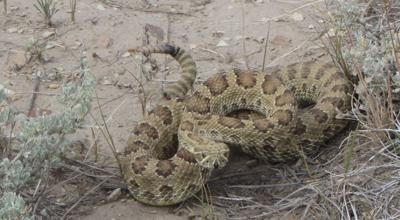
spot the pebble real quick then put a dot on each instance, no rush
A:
(126, 54)
(297, 16)
(47, 34)
(104, 41)
(280, 40)
(8, 92)
(222, 43)
(107, 81)
(53, 86)
(100, 7)
(17, 59)
(12, 30)
(192, 46)
(114, 195)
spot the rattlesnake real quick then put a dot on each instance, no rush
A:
(300, 103)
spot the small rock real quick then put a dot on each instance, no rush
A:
(280, 40)
(259, 39)
(238, 37)
(107, 81)
(114, 195)
(218, 34)
(311, 26)
(12, 30)
(282, 19)
(53, 86)
(46, 58)
(6, 91)
(127, 85)
(126, 54)
(14, 8)
(20, 31)
(123, 85)
(49, 45)
(297, 16)
(47, 34)
(192, 46)
(77, 45)
(17, 60)
(104, 41)
(121, 71)
(331, 32)
(100, 7)
(222, 43)
(14, 97)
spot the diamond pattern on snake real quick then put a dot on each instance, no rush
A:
(173, 150)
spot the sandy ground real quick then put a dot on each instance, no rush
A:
(212, 30)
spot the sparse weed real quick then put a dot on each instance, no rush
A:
(37, 147)
(364, 47)
(35, 48)
(47, 8)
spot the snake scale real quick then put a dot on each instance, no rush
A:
(173, 150)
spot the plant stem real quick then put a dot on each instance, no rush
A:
(5, 6)
(73, 10)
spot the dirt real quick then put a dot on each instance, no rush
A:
(213, 31)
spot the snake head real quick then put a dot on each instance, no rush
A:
(215, 157)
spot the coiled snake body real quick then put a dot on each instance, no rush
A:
(173, 150)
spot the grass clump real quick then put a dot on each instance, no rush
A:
(364, 40)
(47, 8)
(35, 49)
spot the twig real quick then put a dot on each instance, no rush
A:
(112, 99)
(286, 54)
(214, 52)
(244, 39)
(304, 216)
(94, 146)
(108, 137)
(266, 46)
(36, 84)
